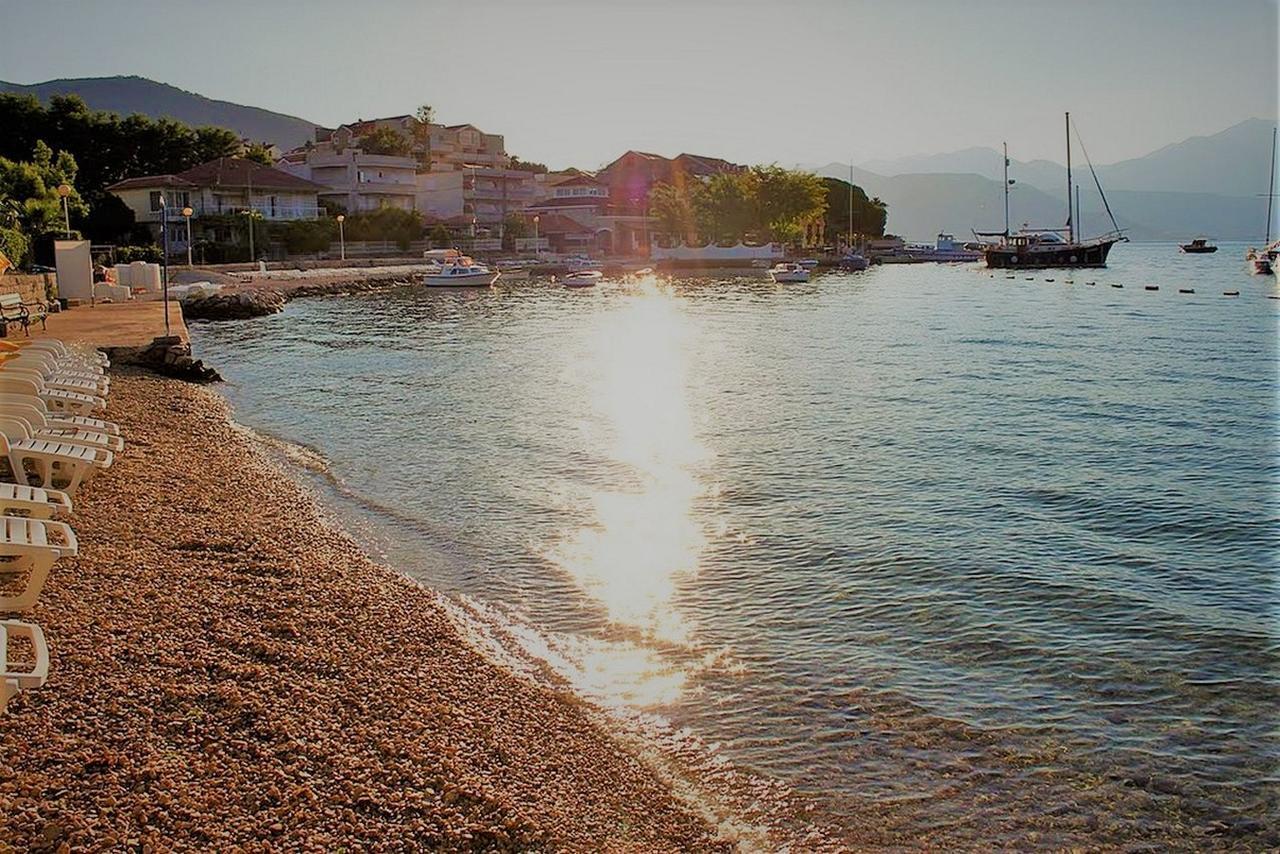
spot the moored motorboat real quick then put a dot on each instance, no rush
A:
(854, 262)
(1198, 246)
(1261, 261)
(789, 272)
(582, 279)
(462, 273)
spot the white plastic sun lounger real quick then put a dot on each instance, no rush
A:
(33, 502)
(48, 365)
(32, 546)
(18, 676)
(100, 387)
(59, 419)
(61, 465)
(54, 399)
(80, 354)
(40, 427)
(65, 351)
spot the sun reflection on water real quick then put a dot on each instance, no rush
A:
(641, 538)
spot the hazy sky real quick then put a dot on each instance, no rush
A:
(576, 82)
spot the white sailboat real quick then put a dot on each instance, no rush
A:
(1263, 261)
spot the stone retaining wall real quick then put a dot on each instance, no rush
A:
(32, 287)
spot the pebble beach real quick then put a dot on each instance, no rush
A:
(230, 671)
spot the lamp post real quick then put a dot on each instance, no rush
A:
(537, 247)
(64, 190)
(249, 213)
(164, 260)
(187, 212)
(342, 238)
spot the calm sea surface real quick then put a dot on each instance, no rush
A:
(958, 558)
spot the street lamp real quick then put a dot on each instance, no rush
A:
(342, 238)
(249, 213)
(537, 247)
(164, 260)
(187, 212)
(64, 190)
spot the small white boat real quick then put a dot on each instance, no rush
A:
(809, 263)
(1263, 261)
(581, 262)
(582, 279)
(789, 272)
(462, 273)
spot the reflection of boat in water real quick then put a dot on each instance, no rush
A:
(789, 272)
(1047, 247)
(1199, 246)
(945, 251)
(582, 279)
(462, 273)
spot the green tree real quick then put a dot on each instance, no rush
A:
(385, 224)
(440, 237)
(106, 148)
(259, 152)
(787, 200)
(727, 206)
(869, 215)
(31, 209)
(674, 210)
(385, 140)
(514, 227)
(308, 236)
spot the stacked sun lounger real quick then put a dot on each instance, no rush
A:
(51, 441)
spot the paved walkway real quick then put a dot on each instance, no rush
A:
(124, 324)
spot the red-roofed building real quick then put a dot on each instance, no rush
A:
(228, 185)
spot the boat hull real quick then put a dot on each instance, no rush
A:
(789, 278)
(471, 280)
(1039, 257)
(1199, 250)
(1261, 266)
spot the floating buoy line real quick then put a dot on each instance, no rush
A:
(1119, 285)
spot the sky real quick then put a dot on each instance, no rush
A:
(577, 82)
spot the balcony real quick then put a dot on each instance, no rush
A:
(274, 213)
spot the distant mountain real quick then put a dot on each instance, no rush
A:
(1233, 162)
(128, 95)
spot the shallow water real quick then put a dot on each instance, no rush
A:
(960, 558)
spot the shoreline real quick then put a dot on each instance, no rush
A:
(230, 669)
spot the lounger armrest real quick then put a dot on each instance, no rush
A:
(72, 547)
(40, 668)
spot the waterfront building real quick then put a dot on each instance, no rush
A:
(355, 179)
(214, 191)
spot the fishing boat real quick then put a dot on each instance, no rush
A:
(1263, 261)
(788, 271)
(461, 273)
(582, 279)
(1198, 246)
(1050, 247)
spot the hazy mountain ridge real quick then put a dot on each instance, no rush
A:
(921, 205)
(1210, 185)
(128, 95)
(1232, 162)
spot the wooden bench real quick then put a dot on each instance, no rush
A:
(14, 310)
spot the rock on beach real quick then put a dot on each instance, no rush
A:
(231, 672)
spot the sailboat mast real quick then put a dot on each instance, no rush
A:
(1070, 230)
(1271, 187)
(1006, 189)
(850, 204)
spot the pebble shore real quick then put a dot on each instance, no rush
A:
(229, 671)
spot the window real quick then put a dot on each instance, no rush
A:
(155, 200)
